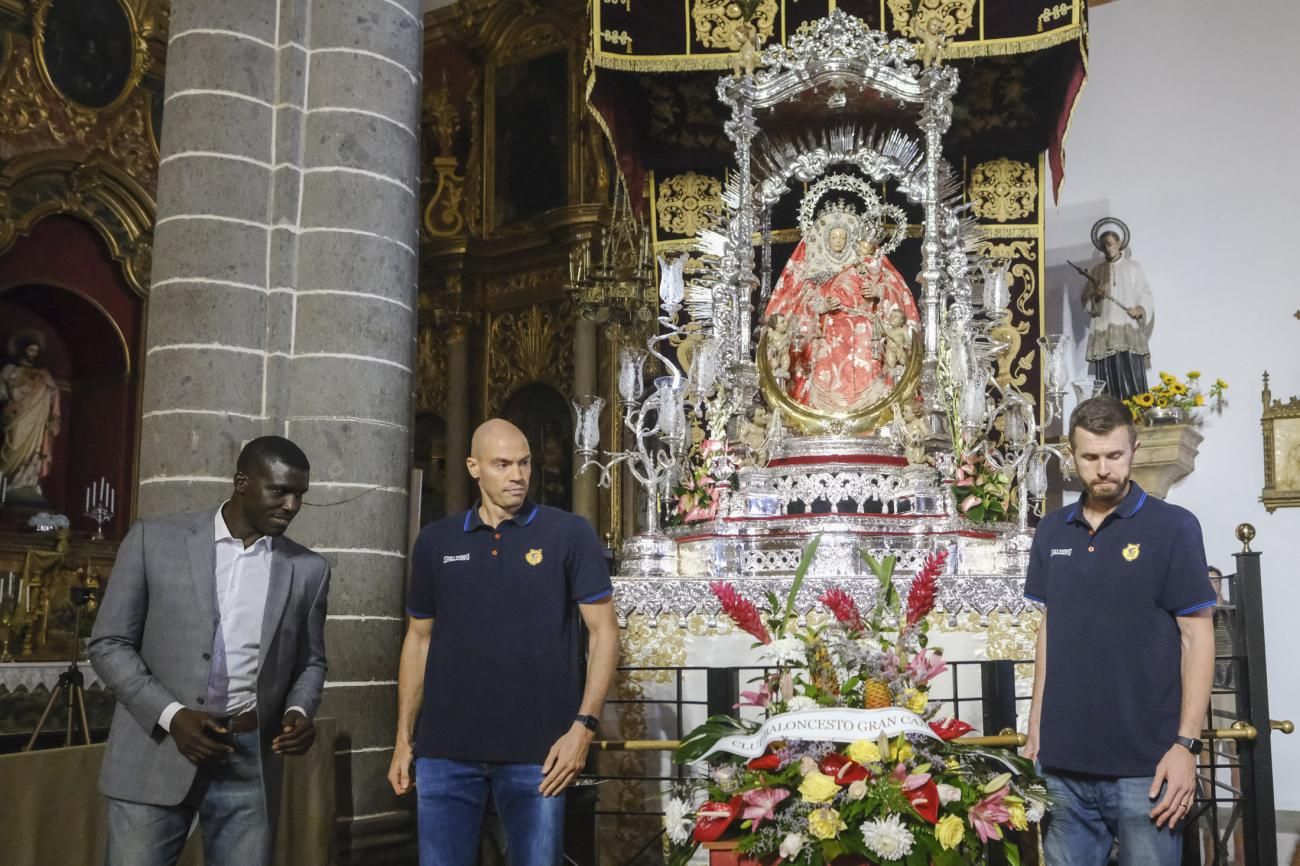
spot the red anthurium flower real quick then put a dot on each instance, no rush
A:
(766, 762)
(950, 729)
(925, 800)
(713, 819)
(843, 770)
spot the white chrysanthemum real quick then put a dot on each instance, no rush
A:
(888, 838)
(785, 651)
(801, 702)
(948, 794)
(678, 821)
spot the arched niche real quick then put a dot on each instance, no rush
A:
(61, 279)
(546, 419)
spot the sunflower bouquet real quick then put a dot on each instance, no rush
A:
(1174, 398)
(850, 763)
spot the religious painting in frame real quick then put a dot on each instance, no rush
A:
(1281, 425)
(86, 50)
(528, 137)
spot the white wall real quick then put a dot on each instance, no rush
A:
(1188, 130)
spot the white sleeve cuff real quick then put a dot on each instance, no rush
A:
(300, 710)
(165, 720)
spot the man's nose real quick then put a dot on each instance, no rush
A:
(292, 503)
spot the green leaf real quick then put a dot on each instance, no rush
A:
(700, 740)
(805, 562)
(1013, 854)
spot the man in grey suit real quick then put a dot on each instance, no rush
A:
(211, 635)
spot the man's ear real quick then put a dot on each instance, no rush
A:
(472, 465)
(241, 482)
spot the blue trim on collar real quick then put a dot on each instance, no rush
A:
(1126, 508)
(468, 515)
(473, 521)
(531, 515)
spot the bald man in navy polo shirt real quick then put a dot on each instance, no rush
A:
(490, 664)
(1122, 679)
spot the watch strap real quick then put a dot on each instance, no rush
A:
(588, 722)
(1190, 744)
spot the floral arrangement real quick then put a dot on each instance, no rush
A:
(1173, 393)
(915, 798)
(696, 497)
(983, 494)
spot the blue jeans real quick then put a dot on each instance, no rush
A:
(1088, 813)
(453, 795)
(231, 805)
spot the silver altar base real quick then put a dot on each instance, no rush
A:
(855, 494)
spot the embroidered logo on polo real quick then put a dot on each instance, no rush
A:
(464, 557)
(1132, 552)
(534, 556)
(1062, 551)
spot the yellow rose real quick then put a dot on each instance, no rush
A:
(949, 831)
(901, 750)
(915, 700)
(818, 788)
(1019, 820)
(825, 823)
(864, 752)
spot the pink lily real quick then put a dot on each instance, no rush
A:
(968, 503)
(760, 698)
(760, 804)
(925, 666)
(986, 815)
(909, 781)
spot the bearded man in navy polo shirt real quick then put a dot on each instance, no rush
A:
(490, 664)
(1122, 678)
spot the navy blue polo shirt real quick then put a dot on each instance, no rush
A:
(502, 680)
(1113, 692)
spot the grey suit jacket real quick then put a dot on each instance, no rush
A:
(152, 645)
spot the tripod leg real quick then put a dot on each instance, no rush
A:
(68, 703)
(49, 705)
(81, 705)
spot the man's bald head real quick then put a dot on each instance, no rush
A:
(500, 461)
(495, 433)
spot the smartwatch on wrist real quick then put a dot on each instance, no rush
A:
(1192, 745)
(591, 722)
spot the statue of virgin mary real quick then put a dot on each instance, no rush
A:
(833, 307)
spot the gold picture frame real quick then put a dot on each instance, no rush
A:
(134, 43)
(529, 42)
(1281, 428)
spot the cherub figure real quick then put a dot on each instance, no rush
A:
(779, 340)
(898, 340)
(746, 44)
(913, 430)
(933, 41)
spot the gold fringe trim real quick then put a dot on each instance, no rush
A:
(965, 50)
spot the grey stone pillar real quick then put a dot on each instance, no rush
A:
(458, 432)
(585, 493)
(283, 302)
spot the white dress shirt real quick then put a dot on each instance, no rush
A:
(243, 575)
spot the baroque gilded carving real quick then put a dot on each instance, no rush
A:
(532, 344)
(723, 23)
(430, 370)
(684, 200)
(684, 113)
(913, 17)
(1003, 190)
(1013, 367)
(35, 118)
(88, 186)
(516, 287)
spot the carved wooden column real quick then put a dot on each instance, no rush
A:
(458, 494)
(585, 497)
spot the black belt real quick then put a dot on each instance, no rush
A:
(242, 723)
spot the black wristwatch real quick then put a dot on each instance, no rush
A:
(1192, 745)
(590, 722)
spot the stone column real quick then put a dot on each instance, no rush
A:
(458, 432)
(283, 302)
(585, 501)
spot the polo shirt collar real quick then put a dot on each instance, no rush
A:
(1128, 506)
(522, 517)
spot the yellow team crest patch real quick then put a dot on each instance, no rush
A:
(533, 556)
(1131, 552)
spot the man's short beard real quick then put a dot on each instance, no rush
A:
(1121, 486)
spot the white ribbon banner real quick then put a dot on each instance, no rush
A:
(834, 724)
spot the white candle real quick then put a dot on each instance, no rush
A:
(87, 499)
(112, 498)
